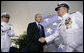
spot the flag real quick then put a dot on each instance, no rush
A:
(50, 23)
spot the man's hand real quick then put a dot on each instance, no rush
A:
(46, 47)
(42, 39)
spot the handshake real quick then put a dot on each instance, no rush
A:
(42, 39)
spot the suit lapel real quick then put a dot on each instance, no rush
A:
(36, 26)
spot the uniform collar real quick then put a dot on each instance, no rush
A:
(64, 16)
(3, 23)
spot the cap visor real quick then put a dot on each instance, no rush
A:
(56, 9)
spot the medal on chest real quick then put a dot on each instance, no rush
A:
(68, 23)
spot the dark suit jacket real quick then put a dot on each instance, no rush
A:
(33, 36)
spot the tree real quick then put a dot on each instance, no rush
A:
(22, 41)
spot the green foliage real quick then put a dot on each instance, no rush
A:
(22, 41)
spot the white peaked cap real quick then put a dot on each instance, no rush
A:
(3, 13)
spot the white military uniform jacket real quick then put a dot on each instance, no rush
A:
(6, 32)
(71, 29)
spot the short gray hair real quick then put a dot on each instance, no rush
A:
(37, 15)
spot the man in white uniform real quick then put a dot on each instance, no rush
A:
(7, 31)
(70, 28)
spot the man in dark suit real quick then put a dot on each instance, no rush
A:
(35, 31)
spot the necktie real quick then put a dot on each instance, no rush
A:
(40, 30)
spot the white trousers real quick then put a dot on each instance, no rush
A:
(5, 50)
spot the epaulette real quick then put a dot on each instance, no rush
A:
(10, 24)
(73, 12)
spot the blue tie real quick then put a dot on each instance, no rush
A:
(40, 30)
